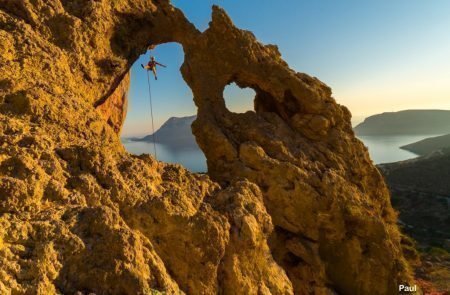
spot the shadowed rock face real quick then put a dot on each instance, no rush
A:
(294, 204)
(114, 108)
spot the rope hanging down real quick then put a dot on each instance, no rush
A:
(151, 113)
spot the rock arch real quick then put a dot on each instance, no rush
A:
(300, 150)
(292, 202)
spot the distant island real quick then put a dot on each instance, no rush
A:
(428, 145)
(408, 122)
(175, 132)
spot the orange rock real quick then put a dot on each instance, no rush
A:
(294, 205)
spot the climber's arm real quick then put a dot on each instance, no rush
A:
(160, 64)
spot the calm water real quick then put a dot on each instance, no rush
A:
(191, 158)
(386, 149)
(382, 149)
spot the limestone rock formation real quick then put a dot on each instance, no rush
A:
(292, 202)
(114, 108)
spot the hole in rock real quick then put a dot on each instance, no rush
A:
(237, 99)
(173, 111)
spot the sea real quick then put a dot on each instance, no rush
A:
(382, 149)
(191, 158)
(386, 148)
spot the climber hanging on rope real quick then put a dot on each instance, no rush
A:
(151, 66)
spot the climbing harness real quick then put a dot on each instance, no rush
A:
(151, 113)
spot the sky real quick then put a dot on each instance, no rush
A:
(377, 56)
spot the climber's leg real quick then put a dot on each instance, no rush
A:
(154, 73)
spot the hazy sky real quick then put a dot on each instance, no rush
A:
(376, 55)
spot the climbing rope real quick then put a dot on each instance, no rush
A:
(151, 113)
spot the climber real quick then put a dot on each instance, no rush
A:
(151, 66)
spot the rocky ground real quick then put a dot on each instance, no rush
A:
(291, 203)
(419, 189)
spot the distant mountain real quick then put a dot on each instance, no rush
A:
(428, 145)
(407, 122)
(175, 132)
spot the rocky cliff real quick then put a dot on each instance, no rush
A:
(292, 202)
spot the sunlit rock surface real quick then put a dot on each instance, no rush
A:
(294, 204)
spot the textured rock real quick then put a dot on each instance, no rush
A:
(334, 225)
(114, 108)
(294, 205)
